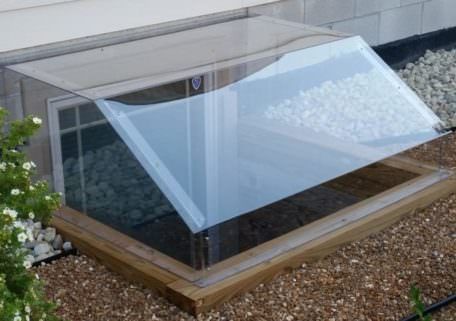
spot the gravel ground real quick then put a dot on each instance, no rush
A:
(365, 280)
(441, 152)
(433, 77)
(447, 314)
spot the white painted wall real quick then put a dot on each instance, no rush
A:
(7, 5)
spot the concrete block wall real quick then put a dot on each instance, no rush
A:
(377, 21)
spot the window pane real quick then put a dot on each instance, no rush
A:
(67, 118)
(89, 113)
(71, 171)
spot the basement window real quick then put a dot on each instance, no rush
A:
(183, 138)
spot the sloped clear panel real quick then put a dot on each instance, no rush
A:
(286, 124)
(127, 67)
(229, 118)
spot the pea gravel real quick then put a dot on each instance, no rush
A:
(365, 280)
(433, 77)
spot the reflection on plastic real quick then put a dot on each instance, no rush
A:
(300, 120)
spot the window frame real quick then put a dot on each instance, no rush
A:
(54, 105)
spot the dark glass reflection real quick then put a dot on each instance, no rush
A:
(119, 193)
(105, 180)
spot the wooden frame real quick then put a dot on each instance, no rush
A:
(197, 291)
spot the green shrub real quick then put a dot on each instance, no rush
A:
(21, 198)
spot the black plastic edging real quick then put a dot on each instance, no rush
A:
(398, 53)
(433, 308)
(49, 259)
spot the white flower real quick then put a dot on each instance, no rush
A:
(22, 237)
(27, 309)
(13, 214)
(27, 264)
(31, 215)
(17, 318)
(27, 166)
(47, 198)
(32, 188)
(18, 224)
(27, 318)
(33, 164)
(2, 166)
(15, 191)
(12, 165)
(37, 121)
(10, 212)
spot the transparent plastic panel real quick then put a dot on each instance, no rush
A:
(122, 68)
(82, 155)
(231, 117)
(278, 126)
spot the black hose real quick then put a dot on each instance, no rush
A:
(433, 307)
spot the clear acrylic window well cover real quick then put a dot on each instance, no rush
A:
(276, 108)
